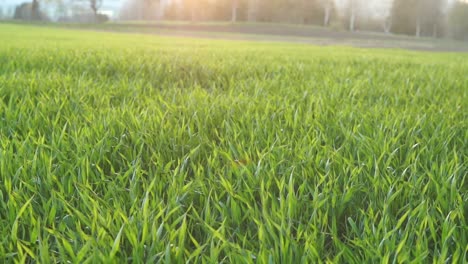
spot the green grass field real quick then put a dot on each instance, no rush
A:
(130, 148)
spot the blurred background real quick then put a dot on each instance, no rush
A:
(419, 18)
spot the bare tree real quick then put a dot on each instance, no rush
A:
(440, 16)
(327, 10)
(353, 6)
(191, 6)
(95, 5)
(234, 7)
(384, 10)
(458, 21)
(419, 14)
(429, 13)
(387, 24)
(35, 13)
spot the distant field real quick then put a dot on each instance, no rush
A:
(304, 34)
(139, 148)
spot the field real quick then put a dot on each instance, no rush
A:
(138, 148)
(303, 34)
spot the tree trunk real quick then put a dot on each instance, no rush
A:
(191, 7)
(387, 26)
(352, 20)
(326, 18)
(161, 10)
(94, 7)
(234, 11)
(418, 26)
(193, 15)
(35, 10)
(352, 6)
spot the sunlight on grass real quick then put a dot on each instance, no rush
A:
(131, 148)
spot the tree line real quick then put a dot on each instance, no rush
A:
(429, 18)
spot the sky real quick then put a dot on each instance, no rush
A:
(8, 6)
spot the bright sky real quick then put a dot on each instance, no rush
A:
(8, 6)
